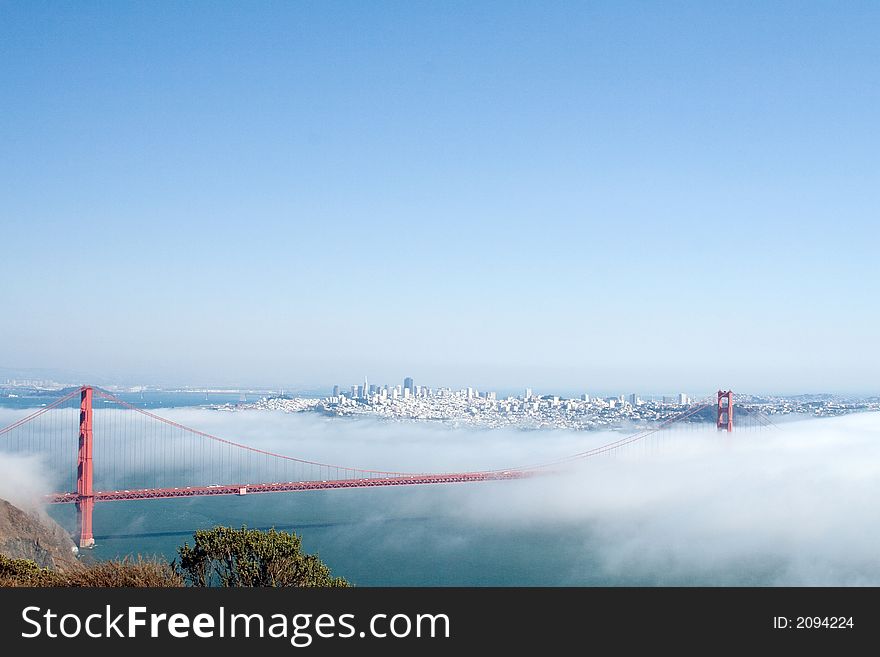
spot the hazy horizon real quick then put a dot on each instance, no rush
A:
(60, 376)
(321, 387)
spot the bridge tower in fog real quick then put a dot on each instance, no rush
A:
(725, 410)
(85, 499)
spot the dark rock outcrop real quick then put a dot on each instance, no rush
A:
(35, 536)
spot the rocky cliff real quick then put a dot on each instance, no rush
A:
(35, 536)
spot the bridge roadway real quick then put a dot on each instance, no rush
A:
(280, 487)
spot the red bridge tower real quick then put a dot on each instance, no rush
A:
(725, 410)
(85, 500)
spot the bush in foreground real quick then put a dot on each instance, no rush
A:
(24, 572)
(221, 556)
(127, 572)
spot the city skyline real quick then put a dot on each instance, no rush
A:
(409, 388)
(620, 194)
(36, 380)
(468, 407)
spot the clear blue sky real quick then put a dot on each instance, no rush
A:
(645, 196)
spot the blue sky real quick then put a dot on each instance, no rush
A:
(634, 195)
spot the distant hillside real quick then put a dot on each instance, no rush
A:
(37, 537)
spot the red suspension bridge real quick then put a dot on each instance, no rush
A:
(141, 456)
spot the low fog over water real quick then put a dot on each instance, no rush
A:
(793, 505)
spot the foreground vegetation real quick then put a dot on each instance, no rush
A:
(221, 556)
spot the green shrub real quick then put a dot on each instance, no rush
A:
(24, 572)
(219, 557)
(224, 556)
(125, 573)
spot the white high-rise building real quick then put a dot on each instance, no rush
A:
(683, 399)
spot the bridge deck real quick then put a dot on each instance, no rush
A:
(280, 487)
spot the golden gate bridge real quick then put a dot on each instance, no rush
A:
(141, 456)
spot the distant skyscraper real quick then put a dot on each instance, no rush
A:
(335, 391)
(634, 399)
(366, 387)
(528, 394)
(408, 385)
(585, 397)
(683, 399)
